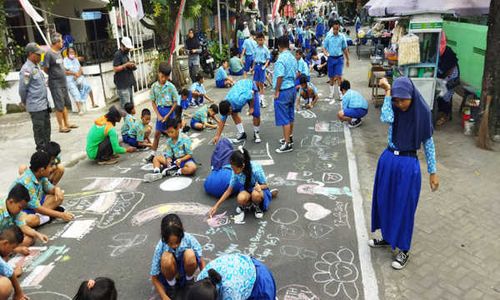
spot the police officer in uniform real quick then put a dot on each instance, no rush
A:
(33, 93)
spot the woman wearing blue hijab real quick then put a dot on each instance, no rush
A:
(398, 180)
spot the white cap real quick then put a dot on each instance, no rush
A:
(127, 42)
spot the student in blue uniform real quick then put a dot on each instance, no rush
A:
(222, 80)
(199, 121)
(176, 258)
(242, 93)
(398, 181)
(354, 105)
(198, 92)
(262, 58)
(10, 238)
(221, 172)
(308, 92)
(248, 53)
(303, 68)
(128, 120)
(299, 31)
(335, 47)
(234, 277)
(139, 131)
(185, 98)
(285, 71)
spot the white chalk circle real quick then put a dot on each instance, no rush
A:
(176, 184)
(285, 216)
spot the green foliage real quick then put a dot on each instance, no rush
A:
(218, 56)
(162, 56)
(4, 63)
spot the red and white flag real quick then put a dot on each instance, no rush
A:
(276, 7)
(176, 31)
(133, 8)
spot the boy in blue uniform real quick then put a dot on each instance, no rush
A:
(128, 120)
(235, 65)
(335, 47)
(198, 92)
(222, 80)
(308, 92)
(242, 93)
(262, 58)
(303, 67)
(354, 105)
(185, 98)
(164, 98)
(139, 131)
(201, 116)
(10, 238)
(248, 52)
(285, 71)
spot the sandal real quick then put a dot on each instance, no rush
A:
(441, 121)
(64, 130)
(73, 126)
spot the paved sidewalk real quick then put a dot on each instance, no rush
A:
(455, 251)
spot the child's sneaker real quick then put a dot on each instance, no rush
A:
(376, 243)
(256, 137)
(400, 261)
(152, 177)
(259, 214)
(239, 209)
(286, 147)
(355, 123)
(282, 141)
(241, 137)
(149, 159)
(274, 193)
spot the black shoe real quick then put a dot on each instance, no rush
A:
(186, 129)
(171, 291)
(149, 159)
(241, 137)
(376, 243)
(401, 260)
(355, 123)
(282, 141)
(285, 148)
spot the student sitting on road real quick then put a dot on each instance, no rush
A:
(10, 238)
(218, 280)
(57, 169)
(102, 139)
(308, 92)
(178, 156)
(354, 105)
(221, 78)
(101, 288)
(139, 131)
(249, 181)
(235, 64)
(198, 92)
(185, 98)
(45, 198)
(11, 214)
(201, 117)
(243, 92)
(128, 120)
(177, 255)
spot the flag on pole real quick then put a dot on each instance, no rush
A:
(30, 10)
(276, 7)
(133, 8)
(176, 31)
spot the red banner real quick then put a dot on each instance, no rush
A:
(176, 32)
(276, 7)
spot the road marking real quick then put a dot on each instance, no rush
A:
(369, 277)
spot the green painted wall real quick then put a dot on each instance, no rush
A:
(469, 42)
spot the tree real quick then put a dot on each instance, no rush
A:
(490, 95)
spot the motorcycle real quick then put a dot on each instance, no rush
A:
(207, 62)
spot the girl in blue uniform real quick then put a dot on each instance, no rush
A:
(234, 277)
(398, 180)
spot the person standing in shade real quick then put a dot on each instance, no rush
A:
(194, 49)
(270, 32)
(335, 47)
(33, 95)
(124, 72)
(53, 64)
(397, 184)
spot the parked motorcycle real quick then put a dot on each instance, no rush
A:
(207, 62)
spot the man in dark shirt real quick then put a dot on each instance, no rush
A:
(124, 72)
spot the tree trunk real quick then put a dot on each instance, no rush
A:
(491, 79)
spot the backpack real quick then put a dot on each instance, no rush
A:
(222, 154)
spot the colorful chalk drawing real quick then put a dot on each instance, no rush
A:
(340, 214)
(284, 216)
(262, 156)
(318, 230)
(314, 141)
(175, 184)
(111, 207)
(297, 252)
(273, 180)
(289, 232)
(332, 126)
(307, 114)
(126, 241)
(338, 273)
(315, 212)
(47, 295)
(330, 192)
(108, 184)
(296, 292)
(158, 211)
(330, 178)
(227, 230)
(218, 220)
(205, 241)
(77, 229)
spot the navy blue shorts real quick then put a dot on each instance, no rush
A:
(284, 110)
(220, 83)
(180, 270)
(356, 113)
(132, 141)
(335, 66)
(30, 211)
(259, 73)
(264, 287)
(193, 122)
(185, 103)
(240, 73)
(164, 110)
(240, 45)
(248, 62)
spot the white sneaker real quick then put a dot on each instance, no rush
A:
(152, 177)
(259, 214)
(256, 137)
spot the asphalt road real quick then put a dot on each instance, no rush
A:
(308, 237)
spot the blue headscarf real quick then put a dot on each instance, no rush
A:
(414, 126)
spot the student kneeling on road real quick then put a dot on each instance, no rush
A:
(354, 105)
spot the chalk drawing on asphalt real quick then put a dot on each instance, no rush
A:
(284, 216)
(158, 211)
(296, 292)
(125, 241)
(315, 211)
(108, 184)
(176, 184)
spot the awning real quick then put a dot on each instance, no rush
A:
(383, 8)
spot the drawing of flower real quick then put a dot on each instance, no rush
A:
(338, 272)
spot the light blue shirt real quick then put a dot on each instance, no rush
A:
(262, 55)
(187, 242)
(335, 44)
(258, 176)
(221, 74)
(249, 45)
(303, 68)
(7, 271)
(239, 95)
(180, 148)
(238, 276)
(127, 122)
(198, 87)
(311, 87)
(353, 99)
(286, 66)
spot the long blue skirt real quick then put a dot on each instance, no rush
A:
(264, 287)
(395, 198)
